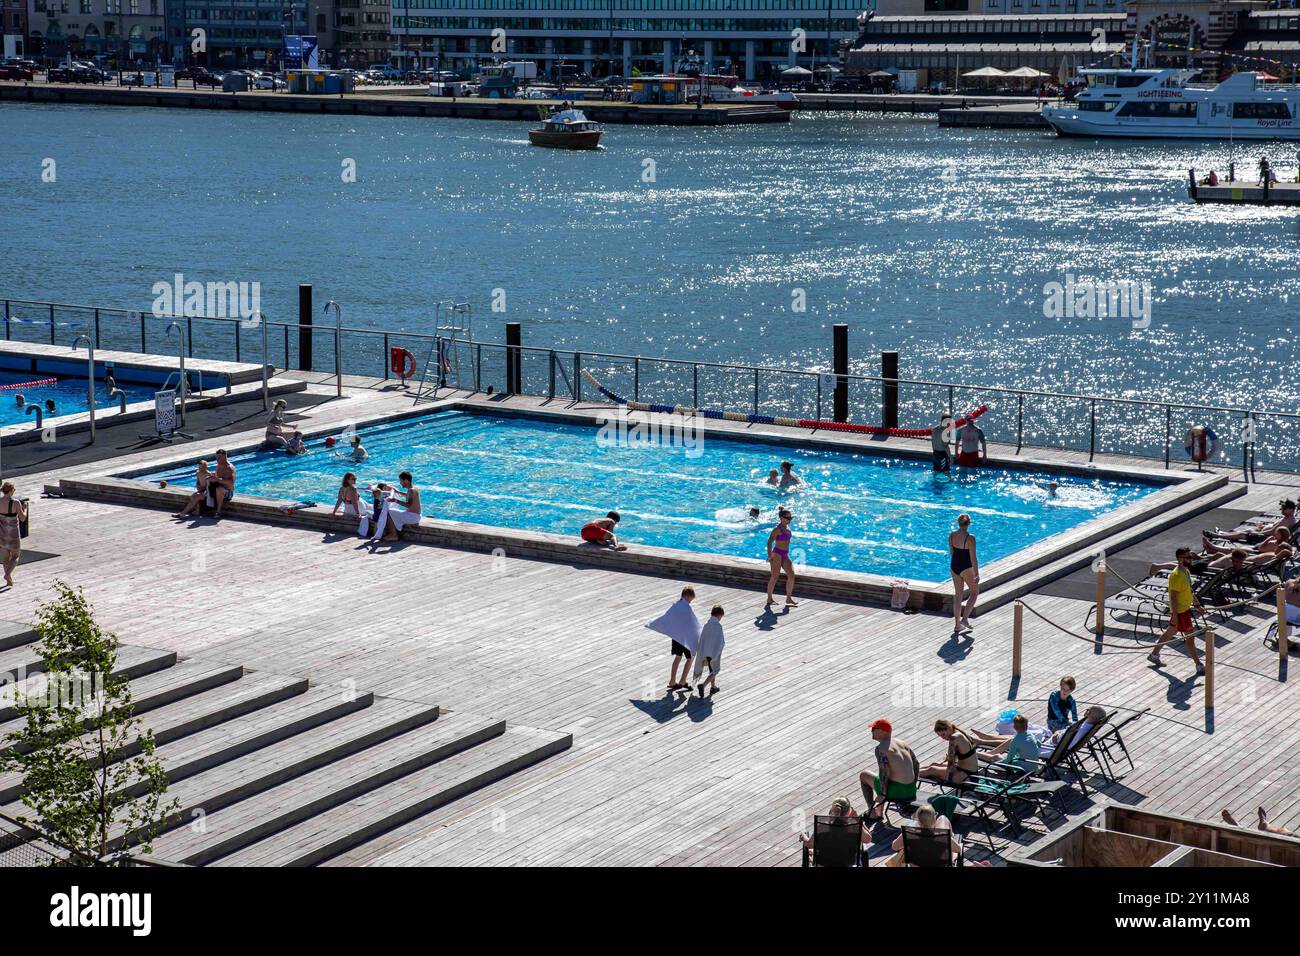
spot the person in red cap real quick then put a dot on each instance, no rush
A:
(897, 771)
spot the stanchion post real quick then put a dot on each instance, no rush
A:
(1017, 638)
(1209, 667)
(1099, 628)
(1281, 625)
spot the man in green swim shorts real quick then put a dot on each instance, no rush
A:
(897, 773)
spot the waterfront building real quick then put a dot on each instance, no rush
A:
(351, 33)
(238, 33)
(13, 23)
(124, 30)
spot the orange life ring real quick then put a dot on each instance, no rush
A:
(401, 362)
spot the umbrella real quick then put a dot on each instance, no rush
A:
(1028, 72)
(881, 73)
(828, 69)
(987, 71)
(796, 71)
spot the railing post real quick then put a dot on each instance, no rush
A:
(238, 346)
(1281, 626)
(478, 368)
(144, 340)
(1017, 637)
(97, 328)
(386, 354)
(1020, 421)
(695, 385)
(951, 400)
(51, 325)
(819, 397)
(755, 391)
(550, 374)
(1092, 432)
(7, 317)
(1209, 668)
(1169, 414)
(577, 376)
(1099, 628)
(189, 336)
(636, 379)
(285, 328)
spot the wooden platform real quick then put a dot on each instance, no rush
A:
(1021, 115)
(650, 779)
(1247, 193)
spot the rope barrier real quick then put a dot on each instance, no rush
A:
(32, 384)
(754, 419)
(1120, 648)
(1156, 599)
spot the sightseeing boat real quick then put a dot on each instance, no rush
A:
(1155, 103)
(567, 129)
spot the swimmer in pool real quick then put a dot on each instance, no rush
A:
(753, 515)
(49, 406)
(20, 400)
(110, 383)
(1051, 486)
(357, 454)
(789, 479)
(295, 445)
(774, 477)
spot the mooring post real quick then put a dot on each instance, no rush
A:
(840, 363)
(1017, 638)
(513, 376)
(889, 389)
(1100, 627)
(304, 328)
(1209, 667)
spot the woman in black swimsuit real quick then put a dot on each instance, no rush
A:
(965, 574)
(960, 763)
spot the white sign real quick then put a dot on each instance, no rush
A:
(164, 411)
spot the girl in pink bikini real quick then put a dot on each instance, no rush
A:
(778, 556)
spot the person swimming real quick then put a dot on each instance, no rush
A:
(296, 445)
(774, 477)
(49, 406)
(789, 479)
(754, 514)
(20, 400)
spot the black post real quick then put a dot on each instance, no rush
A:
(514, 378)
(889, 391)
(304, 328)
(840, 366)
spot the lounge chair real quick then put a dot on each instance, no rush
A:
(1101, 744)
(837, 842)
(1063, 756)
(925, 847)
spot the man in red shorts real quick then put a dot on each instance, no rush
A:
(1181, 601)
(601, 532)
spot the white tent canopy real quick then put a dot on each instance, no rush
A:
(1028, 72)
(986, 71)
(796, 71)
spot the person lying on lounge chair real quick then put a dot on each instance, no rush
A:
(1021, 748)
(1278, 545)
(1236, 559)
(1252, 532)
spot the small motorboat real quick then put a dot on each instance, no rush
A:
(567, 128)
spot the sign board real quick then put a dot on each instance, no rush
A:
(164, 411)
(300, 53)
(166, 75)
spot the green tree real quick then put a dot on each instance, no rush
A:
(88, 765)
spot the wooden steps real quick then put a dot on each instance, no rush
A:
(13, 634)
(132, 662)
(308, 791)
(352, 823)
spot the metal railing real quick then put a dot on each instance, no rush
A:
(1025, 418)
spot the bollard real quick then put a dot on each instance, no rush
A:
(1281, 626)
(1017, 637)
(1209, 667)
(840, 366)
(1100, 627)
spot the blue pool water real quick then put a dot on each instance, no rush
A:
(69, 395)
(864, 513)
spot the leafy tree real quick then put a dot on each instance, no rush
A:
(88, 765)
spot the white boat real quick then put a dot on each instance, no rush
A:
(1153, 103)
(721, 92)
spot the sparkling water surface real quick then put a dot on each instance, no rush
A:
(867, 513)
(934, 242)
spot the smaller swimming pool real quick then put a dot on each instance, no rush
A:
(69, 394)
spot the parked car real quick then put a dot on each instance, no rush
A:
(132, 79)
(208, 79)
(268, 81)
(15, 70)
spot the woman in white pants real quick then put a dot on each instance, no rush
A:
(392, 520)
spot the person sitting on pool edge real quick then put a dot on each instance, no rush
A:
(600, 531)
(392, 519)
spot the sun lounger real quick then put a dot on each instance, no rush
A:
(837, 842)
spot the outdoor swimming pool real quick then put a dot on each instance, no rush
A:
(69, 395)
(856, 512)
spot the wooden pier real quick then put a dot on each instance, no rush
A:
(1244, 193)
(519, 656)
(1018, 115)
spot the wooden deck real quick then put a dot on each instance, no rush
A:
(649, 779)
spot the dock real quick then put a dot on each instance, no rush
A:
(1244, 193)
(535, 729)
(388, 104)
(917, 103)
(1018, 115)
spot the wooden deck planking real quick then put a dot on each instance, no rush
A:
(563, 647)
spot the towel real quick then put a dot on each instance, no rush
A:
(679, 623)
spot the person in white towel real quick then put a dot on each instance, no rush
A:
(680, 624)
(350, 501)
(709, 651)
(393, 519)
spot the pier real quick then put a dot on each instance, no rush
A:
(388, 104)
(1244, 193)
(1017, 115)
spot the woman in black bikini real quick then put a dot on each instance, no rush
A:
(965, 573)
(961, 762)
